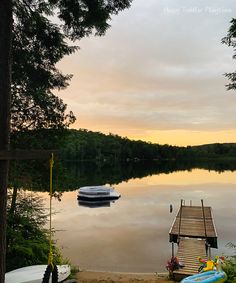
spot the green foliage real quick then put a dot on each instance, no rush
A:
(84, 145)
(27, 239)
(230, 40)
(88, 145)
(34, 174)
(38, 45)
(86, 157)
(216, 150)
(39, 139)
(74, 271)
(230, 265)
(41, 32)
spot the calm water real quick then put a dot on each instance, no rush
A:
(132, 234)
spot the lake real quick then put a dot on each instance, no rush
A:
(132, 234)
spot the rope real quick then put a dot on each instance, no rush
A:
(51, 268)
(50, 255)
(47, 275)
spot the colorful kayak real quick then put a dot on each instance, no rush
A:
(212, 276)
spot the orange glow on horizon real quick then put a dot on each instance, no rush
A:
(171, 137)
(189, 137)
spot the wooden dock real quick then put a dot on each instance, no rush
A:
(194, 231)
(194, 222)
(189, 250)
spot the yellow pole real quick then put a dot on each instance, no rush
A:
(50, 255)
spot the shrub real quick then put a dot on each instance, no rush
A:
(230, 265)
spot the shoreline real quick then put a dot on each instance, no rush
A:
(89, 276)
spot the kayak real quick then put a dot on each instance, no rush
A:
(34, 274)
(212, 276)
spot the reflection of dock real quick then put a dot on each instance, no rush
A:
(194, 232)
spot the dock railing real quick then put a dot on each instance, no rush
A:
(180, 218)
(208, 247)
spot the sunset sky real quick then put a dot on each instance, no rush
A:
(157, 74)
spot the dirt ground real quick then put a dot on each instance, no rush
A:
(113, 277)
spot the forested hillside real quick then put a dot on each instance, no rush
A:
(84, 145)
(87, 145)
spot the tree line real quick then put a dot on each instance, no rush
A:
(88, 145)
(85, 145)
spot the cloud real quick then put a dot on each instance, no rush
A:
(160, 67)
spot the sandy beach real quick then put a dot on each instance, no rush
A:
(113, 277)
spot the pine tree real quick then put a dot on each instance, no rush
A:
(230, 40)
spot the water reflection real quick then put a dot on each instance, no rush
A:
(132, 235)
(84, 173)
(95, 204)
(72, 175)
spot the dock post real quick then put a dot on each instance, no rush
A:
(208, 251)
(204, 219)
(181, 207)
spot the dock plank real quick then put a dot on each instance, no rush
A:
(188, 252)
(195, 212)
(189, 222)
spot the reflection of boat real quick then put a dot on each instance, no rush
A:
(94, 203)
(34, 274)
(97, 193)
